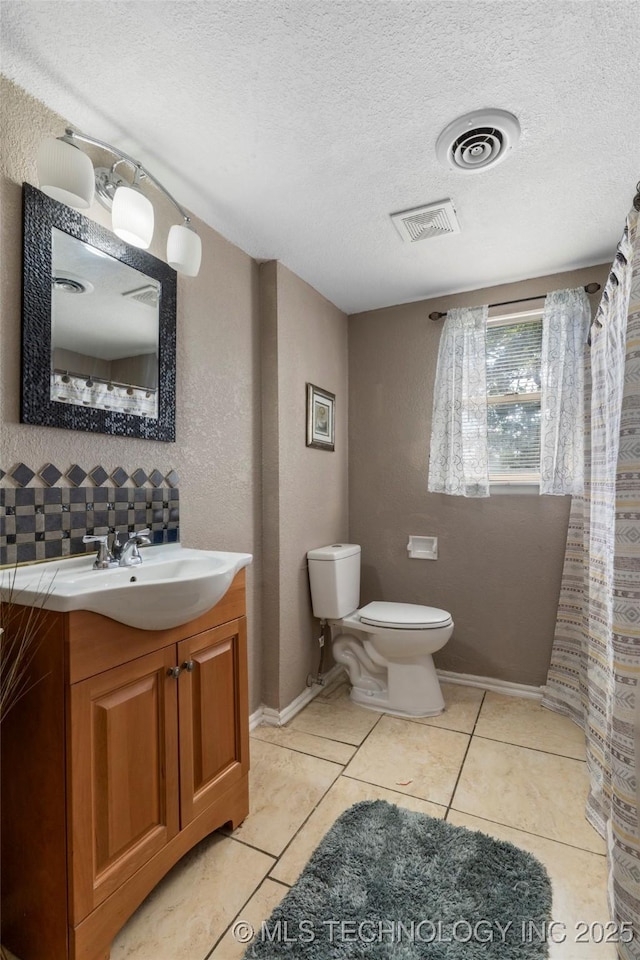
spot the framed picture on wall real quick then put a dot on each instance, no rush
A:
(320, 418)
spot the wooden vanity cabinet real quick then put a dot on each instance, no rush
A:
(131, 747)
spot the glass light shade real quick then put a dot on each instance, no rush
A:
(184, 250)
(65, 173)
(132, 217)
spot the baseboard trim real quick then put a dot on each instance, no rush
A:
(505, 687)
(274, 718)
(271, 717)
(255, 718)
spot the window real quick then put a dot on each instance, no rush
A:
(514, 348)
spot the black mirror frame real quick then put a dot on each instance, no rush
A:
(40, 214)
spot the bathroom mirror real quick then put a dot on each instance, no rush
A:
(98, 327)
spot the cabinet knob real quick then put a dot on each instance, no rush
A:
(173, 672)
(188, 665)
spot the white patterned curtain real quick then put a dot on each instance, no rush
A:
(101, 395)
(459, 460)
(565, 324)
(594, 676)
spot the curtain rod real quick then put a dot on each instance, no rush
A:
(588, 288)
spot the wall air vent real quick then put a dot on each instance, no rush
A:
(478, 140)
(433, 220)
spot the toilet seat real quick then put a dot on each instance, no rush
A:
(403, 616)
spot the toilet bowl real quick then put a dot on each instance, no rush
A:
(386, 647)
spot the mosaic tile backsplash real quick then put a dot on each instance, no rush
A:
(45, 522)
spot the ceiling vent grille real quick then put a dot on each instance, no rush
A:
(478, 140)
(147, 295)
(422, 223)
(67, 285)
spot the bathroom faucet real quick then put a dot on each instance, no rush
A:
(104, 558)
(128, 554)
(124, 554)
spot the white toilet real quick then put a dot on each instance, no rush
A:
(386, 647)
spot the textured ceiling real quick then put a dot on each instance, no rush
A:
(296, 128)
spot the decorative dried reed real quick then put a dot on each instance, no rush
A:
(21, 631)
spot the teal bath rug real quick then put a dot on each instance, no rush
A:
(389, 884)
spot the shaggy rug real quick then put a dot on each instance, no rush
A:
(389, 883)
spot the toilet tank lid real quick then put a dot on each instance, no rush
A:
(403, 616)
(335, 551)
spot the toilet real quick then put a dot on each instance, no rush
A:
(386, 647)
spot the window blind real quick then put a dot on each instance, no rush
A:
(513, 393)
(513, 358)
(514, 440)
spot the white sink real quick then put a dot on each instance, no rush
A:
(172, 585)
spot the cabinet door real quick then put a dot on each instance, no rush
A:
(123, 774)
(213, 715)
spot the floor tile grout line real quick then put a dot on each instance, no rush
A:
(347, 743)
(304, 753)
(361, 745)
(276, 857)
(522, 746)
(332, 784)
(280, 883)
(344, 743)
(448, 807)
(267, 876)
(498, 822)
(245, 843)
(529, 833)
(342, 773)
(312, 756)
(304, 823)
(311, 812)
(395, 789)
(464, 759)
(435, 726)
(228, 927)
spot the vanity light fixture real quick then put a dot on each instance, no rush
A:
(132, 214)
(68, 175)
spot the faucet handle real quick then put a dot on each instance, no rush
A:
(143, 534)
(129, 554)
(103, 556)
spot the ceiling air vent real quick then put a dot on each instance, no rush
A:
(478, 140)
(68, 285)
(422, 223)
(147, 295)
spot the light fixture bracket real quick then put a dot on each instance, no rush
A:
(107, 182)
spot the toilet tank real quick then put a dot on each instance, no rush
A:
(334, 576)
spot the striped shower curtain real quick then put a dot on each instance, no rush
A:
(594, 676)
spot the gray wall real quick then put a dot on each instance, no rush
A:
(305, 492)
(219, 453)
(500, 559)
(218, 446)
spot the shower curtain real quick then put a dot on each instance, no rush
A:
(594, 676)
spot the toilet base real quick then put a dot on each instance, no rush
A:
(412, 690)
(371, 703)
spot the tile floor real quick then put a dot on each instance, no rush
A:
(499, 764)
